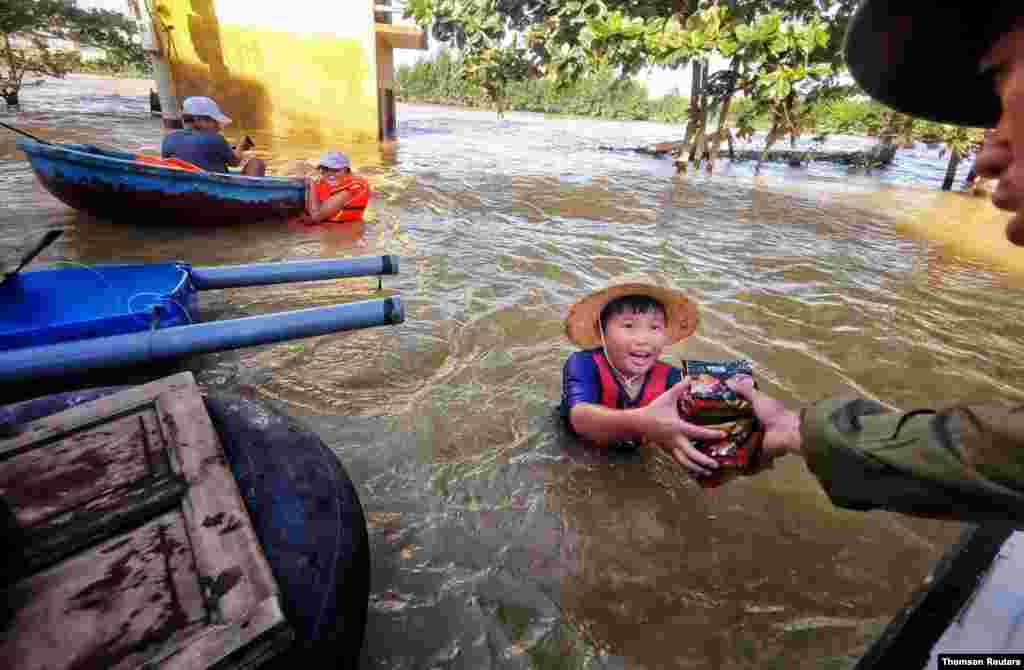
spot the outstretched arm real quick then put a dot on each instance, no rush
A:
(659, 423)
(965, 462)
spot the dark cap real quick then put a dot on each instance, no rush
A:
(922, 57)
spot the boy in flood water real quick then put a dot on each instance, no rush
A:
(615, 392)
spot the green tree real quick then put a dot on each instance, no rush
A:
(783, 54)
(781, 57)
(783, 60)
(26, 26)
(957, 141)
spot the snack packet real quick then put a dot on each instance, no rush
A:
(709, 402)
(738, 454)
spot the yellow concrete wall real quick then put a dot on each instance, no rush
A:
(305, 67)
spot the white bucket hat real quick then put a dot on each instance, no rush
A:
(201, 106)
(334, 160)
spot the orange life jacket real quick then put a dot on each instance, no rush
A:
(168, 162)
(656, 384)
(353, 209)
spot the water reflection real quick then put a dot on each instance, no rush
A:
(497, 540)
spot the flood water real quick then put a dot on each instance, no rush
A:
(497, 541)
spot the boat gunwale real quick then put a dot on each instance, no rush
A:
(60, 152)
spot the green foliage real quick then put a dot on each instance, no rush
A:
(858, 115)
(784, 53)
(27, 25)
(601, 95)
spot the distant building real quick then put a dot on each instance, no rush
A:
(55, 43)
(110, 5)
(87, 53)
(315, 68)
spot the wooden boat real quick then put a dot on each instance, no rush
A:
(972, 602)
(79, 319)
(147, 528)
(115, 185)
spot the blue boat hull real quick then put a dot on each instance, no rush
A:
(305, 511)
(111, 184)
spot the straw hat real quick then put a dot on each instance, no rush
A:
(583, 325)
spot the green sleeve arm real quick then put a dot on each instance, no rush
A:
(965, 462)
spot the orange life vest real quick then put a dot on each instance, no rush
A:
(168, 162)
(656, 384)
(353, 209)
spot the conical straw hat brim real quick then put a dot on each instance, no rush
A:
(583, 325)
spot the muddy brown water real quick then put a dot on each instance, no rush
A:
(497, 541)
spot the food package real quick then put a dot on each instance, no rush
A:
(710, 403)
(709, 400)
(738, 454)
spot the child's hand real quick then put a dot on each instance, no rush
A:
(668, 429)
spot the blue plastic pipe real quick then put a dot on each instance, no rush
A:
(18, 365)
(259, 274)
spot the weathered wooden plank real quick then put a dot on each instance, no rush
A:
(187, 590)
(78, 467)
(110, 607)
(91, 413)
(156, 446)
(78, 530)
(78, 487)
(228, 553)
(218, 642)
(254, 654)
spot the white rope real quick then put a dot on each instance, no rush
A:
(161, 298)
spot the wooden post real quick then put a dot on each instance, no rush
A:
(954, 161)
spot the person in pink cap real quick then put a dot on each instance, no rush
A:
(201, 143)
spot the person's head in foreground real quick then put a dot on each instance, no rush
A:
(952, 62)
(202, 113)
(333, 164)
(632, 323)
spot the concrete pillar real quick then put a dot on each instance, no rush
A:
(151, 44)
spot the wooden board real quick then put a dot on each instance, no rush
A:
(935, 609)
(137, 547)
(991, 619)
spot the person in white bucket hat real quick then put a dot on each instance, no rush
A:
(201, 142)
(336, 195)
